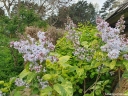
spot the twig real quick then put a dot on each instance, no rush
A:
(94, 84)
(96, 81)
(119, 76)
(98, 77)
(84, 85)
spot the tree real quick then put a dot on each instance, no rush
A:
(28, 5)
(96, 6)
(1, 12)
(82, 12)
(60, 19)
(79, 12)
(7, 5)
(47, 6)
(106, 8)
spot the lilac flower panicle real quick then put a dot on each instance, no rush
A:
(42, 83)
(19, 82)
(37, 68)
(115, 42)
(114, 54)
(120, 24)
(33, 50)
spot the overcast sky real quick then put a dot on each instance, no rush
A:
(100, 2)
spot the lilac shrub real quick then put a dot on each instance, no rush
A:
(35, 51)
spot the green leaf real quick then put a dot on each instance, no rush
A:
(65, 65)
(46, 91)
(60, 78)
(64, 89)
(54, 54)
(24, 73)
(98, 92)
(104, 70)
(72, 68)
(1, 82)
(20, 88)
(63, 59)
(125, 93)
(30, 77)
(35, 91)
(80, 71)
(59, 89)
(125, 62)
(17, 93)
(68, 87)
(91, 94)
(80, 90)
(125, 74)
(97, 64)
(112, 64)
(12, 80)
(93, 63)
(85, 44)
(105, 82)
(47, 77)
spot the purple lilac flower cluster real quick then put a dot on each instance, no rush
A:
(19, 82)
(115, 43)
(33, 50)
(75, 38)
(43, 84)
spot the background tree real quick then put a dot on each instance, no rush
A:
(1, 12)
(59, 19)
(106, 8)
(28, 5)
(7, 4)
(96, 6)
(82, 12)
(110, 6)
(124, 1)
(79, 12)
(47, 6)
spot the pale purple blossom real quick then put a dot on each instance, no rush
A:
(33, 50)
(19, 82)
(115, 43)
(105, 48)
(114, 54)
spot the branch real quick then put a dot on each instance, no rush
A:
(94, 84)
(11, 2)
(41, 6)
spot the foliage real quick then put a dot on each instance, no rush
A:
(17, 24)
(79, 65)
(11, 62)
(80, 12)
(28, 5)
(106, 8)
(9, 66)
